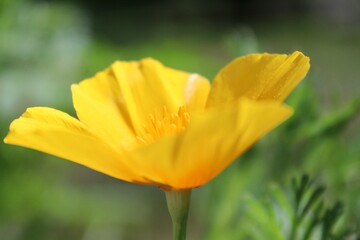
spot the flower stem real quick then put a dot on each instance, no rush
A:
(178, 203)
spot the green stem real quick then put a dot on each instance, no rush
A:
(178, 203)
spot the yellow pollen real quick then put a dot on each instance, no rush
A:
(167, 124)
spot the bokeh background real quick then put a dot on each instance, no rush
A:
(47, 45)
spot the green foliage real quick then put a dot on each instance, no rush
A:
(310, 216)
(296, 213)
(310, 141)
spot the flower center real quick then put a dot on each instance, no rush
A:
(167, 124)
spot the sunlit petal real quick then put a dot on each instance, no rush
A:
(259, 77)
(54, 132)
(211, 142)
(147, 86)
(197, 89)
(99, 105)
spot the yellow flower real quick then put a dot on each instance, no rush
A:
(146, 123)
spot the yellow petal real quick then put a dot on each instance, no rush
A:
(98, 104)
(197, 90)
(210, 143)
(259, 76)
(54, 132)
(147, 86)
(117, 102)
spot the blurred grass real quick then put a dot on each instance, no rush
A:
(45, 47)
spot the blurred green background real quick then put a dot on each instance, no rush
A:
(47, 45)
